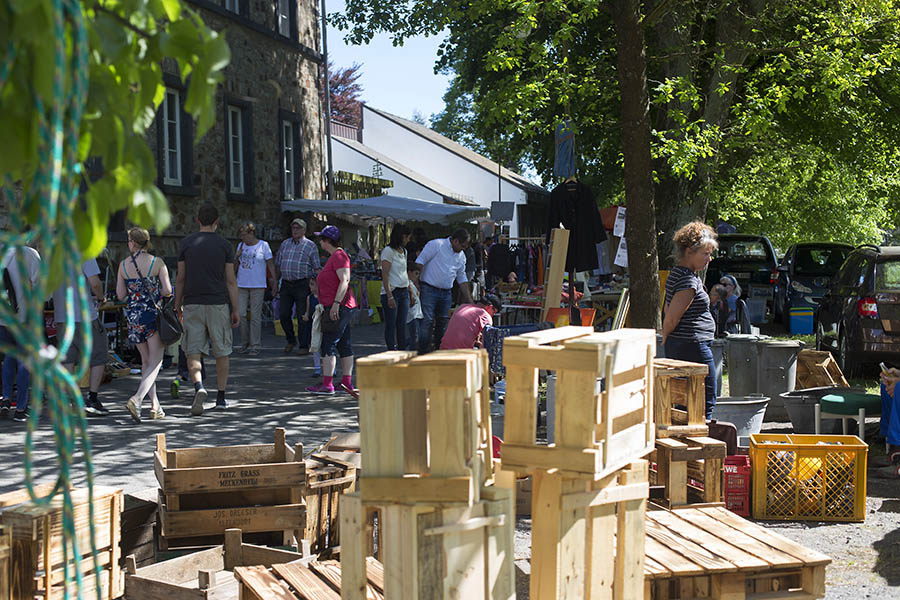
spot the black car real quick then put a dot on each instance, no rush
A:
(804, 274)
(858, 318)
(751, 260)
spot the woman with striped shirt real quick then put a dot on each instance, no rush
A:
(688, 326)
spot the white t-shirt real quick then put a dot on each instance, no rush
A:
(88, 268)
(32, 268)
(398, 277)
(415, 311)
(252, 264)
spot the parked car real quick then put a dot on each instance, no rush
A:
(804, 273)
(751, 260)
(858, 318)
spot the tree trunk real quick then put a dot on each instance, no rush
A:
(640, 226)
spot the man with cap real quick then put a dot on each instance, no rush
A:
(296, 261)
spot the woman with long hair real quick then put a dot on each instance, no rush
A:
(339, 306)
(142, 282)
(688, 325)
(395, 297)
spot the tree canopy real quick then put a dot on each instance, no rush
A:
(345, 92)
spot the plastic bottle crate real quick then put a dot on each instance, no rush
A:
(737, 484)
(808, 477)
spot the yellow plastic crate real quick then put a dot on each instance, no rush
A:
(808, 477)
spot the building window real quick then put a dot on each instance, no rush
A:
(286, 18)
(287, 158)
(233, 6)
(171, 114)
(235, 150)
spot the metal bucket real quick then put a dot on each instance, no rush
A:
(745, 413)
(777, 373)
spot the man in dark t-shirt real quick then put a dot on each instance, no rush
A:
(206, 296)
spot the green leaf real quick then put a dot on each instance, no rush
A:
(173, 9)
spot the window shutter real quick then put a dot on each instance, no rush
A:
(294, 35)
(187, 146)
(298, 161)
(247, 126)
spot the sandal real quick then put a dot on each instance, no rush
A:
(133, 409)
(157, 414)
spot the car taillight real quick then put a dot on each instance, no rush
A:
(866, 307)
(773, 276)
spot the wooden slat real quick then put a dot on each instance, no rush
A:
(307, 584)
(689, 549)
(679, 565)
(670, 367)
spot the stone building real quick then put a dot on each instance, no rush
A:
(267, 143)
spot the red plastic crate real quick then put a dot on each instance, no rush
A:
(737, 484)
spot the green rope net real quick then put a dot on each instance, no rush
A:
(54, 193)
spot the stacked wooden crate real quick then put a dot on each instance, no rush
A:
(5, 557)
(689, 464)
(139, 527)
(327, 478)
(444, 531)
(38, 561)
(204, 491)
(590, 488)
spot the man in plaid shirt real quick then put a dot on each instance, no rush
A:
(297, 260)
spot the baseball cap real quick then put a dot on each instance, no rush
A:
(331, 232)
(299, 222)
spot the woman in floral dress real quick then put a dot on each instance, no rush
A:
(142, 282)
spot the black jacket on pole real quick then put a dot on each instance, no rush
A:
(572, 204)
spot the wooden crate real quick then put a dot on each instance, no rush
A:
(712, 553)
(204, 491)
(321, 580)
(326, 479)
(5, 557)
(679, 383)
(818, 369)
(204, 575)
(596, 434)
(587, 536)
(681, 461)
(425, 426)
(433, 552)
(139, 527)
(37, 567)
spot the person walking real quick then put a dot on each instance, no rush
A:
(142, 282)
(443, 261)
(254, 263)
(395, 297)
(688, 325)
(206, 298)
(296, 261)
(339, 304)
(90, 270)
(15, 288)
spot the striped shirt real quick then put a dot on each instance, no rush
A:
(297, 259)
(697, 322)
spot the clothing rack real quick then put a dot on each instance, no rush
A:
(504, 238)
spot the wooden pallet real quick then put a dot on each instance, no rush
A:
(433, 551)
(679, 383)
(596, 433)
(681, 461)
(204, 575)
(326, 479)
(425, 426)
(256, 488)
(587, 537)
(320, 580)
(818, 369)
(712, 553)
(37, 545)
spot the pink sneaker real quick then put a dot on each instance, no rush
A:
(350, 390)
(321, 390)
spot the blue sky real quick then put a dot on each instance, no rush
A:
(400, 79)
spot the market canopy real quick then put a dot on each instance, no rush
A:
(395, 208)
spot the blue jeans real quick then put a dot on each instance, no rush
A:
(13, 370)
(890, 417)
(413, 334)
(435, 316)
(338, 342)
(395, 318)
(698, 352)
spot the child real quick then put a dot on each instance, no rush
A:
(718, 306)
(414, 319)
(311, 302)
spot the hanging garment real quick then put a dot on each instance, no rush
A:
(572, 204)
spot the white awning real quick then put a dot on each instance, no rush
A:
(395, 208)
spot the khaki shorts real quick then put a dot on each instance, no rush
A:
(205, 326)
(99, 345)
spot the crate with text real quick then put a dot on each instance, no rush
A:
(255, 488)
(597, 431)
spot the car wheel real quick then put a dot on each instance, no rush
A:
(849, 366)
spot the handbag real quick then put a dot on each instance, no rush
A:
(168, 325)
(329, 325)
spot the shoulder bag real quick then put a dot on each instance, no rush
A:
(167, 323)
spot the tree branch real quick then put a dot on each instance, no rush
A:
(122, 20)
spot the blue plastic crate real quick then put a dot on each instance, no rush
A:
(801, 320)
